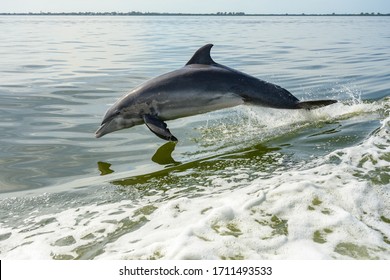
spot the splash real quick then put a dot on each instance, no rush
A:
(334, 205)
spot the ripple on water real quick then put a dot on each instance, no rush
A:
(241, 183)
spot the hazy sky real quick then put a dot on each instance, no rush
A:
(198, 6)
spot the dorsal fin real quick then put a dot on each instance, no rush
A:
(202, 56)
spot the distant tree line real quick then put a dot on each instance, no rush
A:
(134, 13)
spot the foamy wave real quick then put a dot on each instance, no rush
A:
(324, 211)
(251, 123)
(333, 206)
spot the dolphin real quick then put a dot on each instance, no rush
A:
(201, 86)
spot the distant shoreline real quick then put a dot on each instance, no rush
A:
(177, 14)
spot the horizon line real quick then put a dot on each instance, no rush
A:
(136, 13)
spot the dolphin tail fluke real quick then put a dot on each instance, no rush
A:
(309, 105)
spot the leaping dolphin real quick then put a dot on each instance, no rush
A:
(201, 86)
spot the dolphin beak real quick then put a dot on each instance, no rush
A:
(100, 132)
(104, 129)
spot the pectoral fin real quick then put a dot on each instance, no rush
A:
(158, 127)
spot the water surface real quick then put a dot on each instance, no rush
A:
(242, 183)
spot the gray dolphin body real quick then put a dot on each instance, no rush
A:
(201, 86)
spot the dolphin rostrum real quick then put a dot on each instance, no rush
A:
(201, 86)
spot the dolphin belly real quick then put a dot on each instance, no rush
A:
(196, 103)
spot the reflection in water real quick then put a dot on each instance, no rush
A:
(104, 168)
(252, 160)
(163, 155)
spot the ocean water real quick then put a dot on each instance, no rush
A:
(241, 183)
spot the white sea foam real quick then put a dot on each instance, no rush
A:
(251, 123)
(334, 206)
